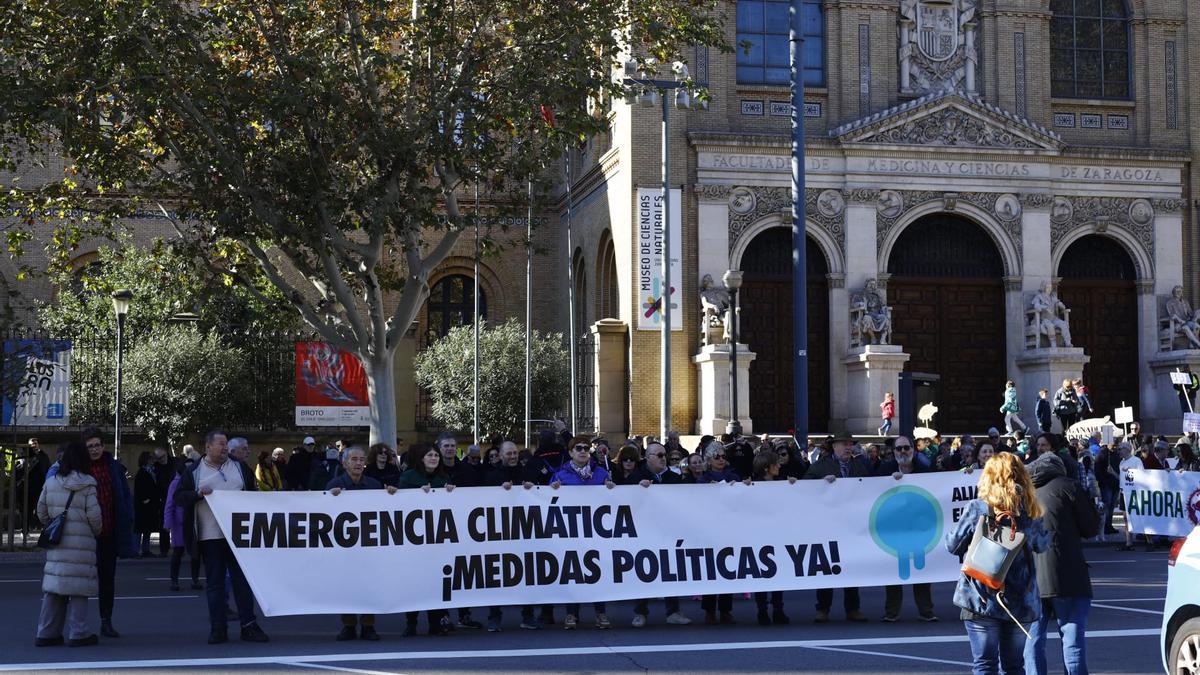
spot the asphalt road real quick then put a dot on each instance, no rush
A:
(162, 630)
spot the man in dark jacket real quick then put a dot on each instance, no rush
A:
(116, 538)
(354, 461)
(654, 471)
(841, 463)
(511, 472)
(216, 470)
(902, 464)
(462, 474)
(300, 465)
(1043, 411)
(1062, 572)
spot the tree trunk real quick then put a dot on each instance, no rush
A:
(381, 389)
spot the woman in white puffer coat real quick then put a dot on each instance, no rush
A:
(69, 577)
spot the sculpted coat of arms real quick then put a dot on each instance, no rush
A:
(937, 45)
(937, 28)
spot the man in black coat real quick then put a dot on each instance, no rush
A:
(902, 464)
(1062, 572)
(841, 463)
(300, 465)
(654, 471)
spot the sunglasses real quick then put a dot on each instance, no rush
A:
(719, 456)
(581, 447)
(904, 447)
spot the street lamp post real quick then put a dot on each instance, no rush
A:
(733, 281)
(799, 243)
(652, 92)
(120, 300)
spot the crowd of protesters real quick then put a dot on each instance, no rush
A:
(1075, 482)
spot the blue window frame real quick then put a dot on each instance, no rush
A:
(762, 42)
(1090, 49)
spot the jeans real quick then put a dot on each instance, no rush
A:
(886, 427)
(106, 570)
(996, 646)
(1071, 614)
(218, 559)
(1109, 496)
(722, 602)
(598, 607)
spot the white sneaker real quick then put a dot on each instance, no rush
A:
(570, 622)
(602, 621)
(639, 620)
(677, 619)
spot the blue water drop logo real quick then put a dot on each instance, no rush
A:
(906, 522)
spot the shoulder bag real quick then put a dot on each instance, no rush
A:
(53, 531)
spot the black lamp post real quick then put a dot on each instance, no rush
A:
(733, 281)
(121, 299)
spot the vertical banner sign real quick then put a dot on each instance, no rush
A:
(331, 387)
(649, 256)
(36, 383)
(1162, 502)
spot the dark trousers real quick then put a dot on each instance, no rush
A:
(433, 616)
(1067, 421)
(177, 561)
(598, 607)
(643, 606)
(219, 560)
(922, 595)
(352, 620)
(722, 602)
(850, 599)
(526, 613)
(164, 542)
(776, 599)
(106, 569)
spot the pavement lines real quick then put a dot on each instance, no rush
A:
(149, 597)
(342, 669)
(896, 656)
(1127, 609)
(516, 653)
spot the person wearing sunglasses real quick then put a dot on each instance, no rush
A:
(716, 456)
(654, 471)
(903, 463)
(627, 463)
(839, 463)
(581, 470)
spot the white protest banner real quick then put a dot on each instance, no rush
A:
(649, 256)
(1182, 378)
(1162, 502)
(303, 552)
(1191, 423)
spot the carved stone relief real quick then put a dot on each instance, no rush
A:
(825, 208)
(1135, 216)
(905, 201)
(951, 127)
(937, 45)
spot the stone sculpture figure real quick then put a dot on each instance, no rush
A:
(715, 302)
(1186, 320)
(870, 317)
(1050, 317)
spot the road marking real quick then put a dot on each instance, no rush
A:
(1130, 599)
(896, 656)
(18, 581)
(518, 653)
(149, 597)
(342, 669)
(1128, 609)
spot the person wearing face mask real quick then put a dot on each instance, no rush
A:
(903, 463)
(838, 464)
(654, 471)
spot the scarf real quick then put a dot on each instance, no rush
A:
(585, 471)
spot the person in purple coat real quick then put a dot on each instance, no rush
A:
(580, 470)
(173, 521)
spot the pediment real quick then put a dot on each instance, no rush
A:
(952, 119)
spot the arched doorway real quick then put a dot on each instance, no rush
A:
(766, 300)
(1098, 286)
(947, 296)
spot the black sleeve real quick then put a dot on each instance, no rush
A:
(1087, 519)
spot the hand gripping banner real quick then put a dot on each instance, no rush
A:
(371, 552)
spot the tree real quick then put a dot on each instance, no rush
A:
(326, 142)
(178, 381)
(446, 369)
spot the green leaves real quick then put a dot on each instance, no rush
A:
(446, 370)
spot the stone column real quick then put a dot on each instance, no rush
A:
(1036, 269)
(871, 370)
(713, 235)
(862, 256)
(839, 337)
(712, 377)
(1168, 250)
(611, 401)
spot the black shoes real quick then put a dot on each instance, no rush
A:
(252, 633)
(197, 586)
(347, 633)
(48, 642)
(410, 630)
(218, 635)
(779, 618)
(368, 633)
(764, 619)
(84, 641)
(107, 630)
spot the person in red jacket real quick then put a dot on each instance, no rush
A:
(889, 413)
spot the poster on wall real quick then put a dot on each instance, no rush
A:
(649, 257)
(36, 383)
(331, 387)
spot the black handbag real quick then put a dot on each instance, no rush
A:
(53, 531)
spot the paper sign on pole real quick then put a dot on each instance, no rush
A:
(1191, 423)
(1181, 378)
(1123, 415)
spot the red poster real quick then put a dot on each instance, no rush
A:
(331, 387)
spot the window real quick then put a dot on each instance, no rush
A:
(608, 298)
(762, 42)
(1089, 49)
(452, 303)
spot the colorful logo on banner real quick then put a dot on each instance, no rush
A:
(331, 387)
(39, 373)
(906, 522)
(1193, 507)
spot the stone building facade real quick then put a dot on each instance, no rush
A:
(960, 153)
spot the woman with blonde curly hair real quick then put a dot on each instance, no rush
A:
(990, 616)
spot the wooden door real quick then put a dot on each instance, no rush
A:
(766, 301)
